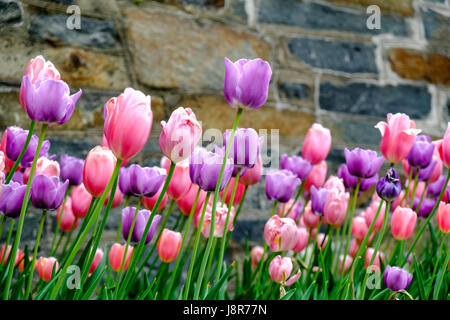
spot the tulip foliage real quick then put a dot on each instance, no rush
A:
(366, 232)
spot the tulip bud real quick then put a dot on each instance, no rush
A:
(97, 259)
(116, 256)
(403, 222)
(98, 169)
(281, 185)
(72, 169)
(46, 267)
(389, 187)
(280, 269)
(253, 175)
(363, 163)
(69, 221)
(256, 255)
(302, 240)
(396, 278)
(280, 233)
(317, 144)
(169, 245)
(443, 217)
(81, 200)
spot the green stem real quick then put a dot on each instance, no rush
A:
(22, 153)
(23, 213)
(36, 246)
(421, 197)
(416, 178)
(58, 222)
(194, 252)
(119, 229)
(435, 267)
(208, 267)
(69, 236)
(8, 239)
(237, 213)
(413, 245)
(178, 259)
(299, 192)
(441, 274)
(406, 197)
(2, 225)
(225, 231)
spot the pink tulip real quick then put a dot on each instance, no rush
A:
(44, 166)
(37, 70)
(399, 201)
(98, 169)
(256, 254)
(118, 197)
(317, 144)
(322, 241)
(348, 263)
(4, 255)
(149, 202)
(185, 204)
(116, 256)
(444, 147)
(438, 168)
(302, 239)
(81, 200)
(169, 245)
(376, 262)
(359, 228)
(106, 144)
(371, 212)
(253, 175)
(8, 163)
(181, 181)
(238, 194)
(69, 221)
(221, 216)
(128, 121)
(334, 182)
(443, 217)
(317, 176)
(45, 268)
(309, 218)
(280, 269)
(403, 222)
(283, 210)
(335, 208)
(97, 259)
(180, 134)
(280, 233)
(398, 136)
(354, 247)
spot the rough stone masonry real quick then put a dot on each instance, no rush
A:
(328, 67)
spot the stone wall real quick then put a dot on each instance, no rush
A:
(328, 67)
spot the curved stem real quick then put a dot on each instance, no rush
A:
(22, 153)
(23, 213)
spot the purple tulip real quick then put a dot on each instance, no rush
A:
(318, 198)
(47, 192)
(426, 173)
(71, 169)
(434, 189)
(426, 206)
(281, 185)
(365, 184)
(139, 224)
(141, 181)
(389, 187)
(204, 169)
(11, 199)
(363, 163)
(246, 83)
(49, 101)
(421, 152)
(245, 147)
(17, 177)
(15, 141)
(350, 181)
(296, 165)
(235, 169)
(396, 278)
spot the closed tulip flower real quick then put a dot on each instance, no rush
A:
(280, 233)
(309, 218)
(296, 165)
(237, 195)
(362, 163)
(443, 217)
(256, 254)
(47, 193)
(71, 169)
(389, 187)
(371, 212)
(322, 240)
(280, 269)
(46, 267)
(253, 175)
(97, 259)
(149, 202)
(434, 189)
(244, 149)
(129, 112)
(180, 134)
(296, 211)
(335, 208)
(181, 182)
(186, 203)
(81, 200)
(302, 239)
(117, 200)
(246, 83)
(169, 245)
(397, 136)
(348, 263)
(421, 152)
(15, 141)
(334, 182)
(359, 228)
(426, 207)
(98, 169)
(48, 101)
(4, 254)
(281, 185)
(219, 224)
(141, 181)
(38, 70)
(44, 166)
(7, 162)
(68, 220)
(396, 278)
(116, 256)
(317, 176)
(403, 222)
(317, 144)
(318, 198)
(376, 261)
(204, 169)
(139, 225)
(11, 199)
(354, 247)
(444, 147)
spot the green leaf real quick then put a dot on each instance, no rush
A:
(288, 294)
(218, 286)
